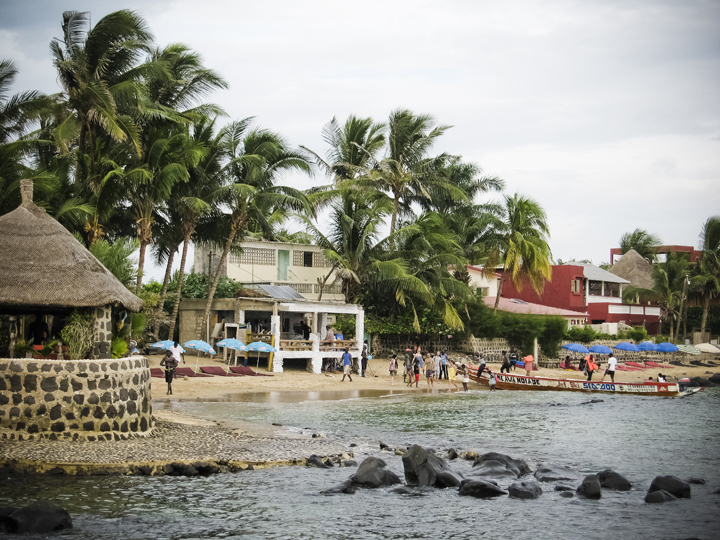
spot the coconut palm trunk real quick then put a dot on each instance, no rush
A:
(181, 274)
(163, 293)
(499, 292)
(706, 308)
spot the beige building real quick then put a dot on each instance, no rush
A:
(300, 266)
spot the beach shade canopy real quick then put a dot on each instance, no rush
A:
(647, 346)
(688, 349)
(233, 344)
(600, 349)
(200, 346)
(260, 346)
(575, 347)
(708, 348)
(165, 344)
(666, 347)
(626, 346)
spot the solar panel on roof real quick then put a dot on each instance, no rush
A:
(282, 292)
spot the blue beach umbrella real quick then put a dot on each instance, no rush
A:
(575, 347)
(647, 346)
(201, 346)
(626, 346)
(600, 349)
(260, 346)
(233, 344)
(165, 344)
(666, 347)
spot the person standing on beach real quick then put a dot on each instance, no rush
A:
(417, 368)
(505, 363)
(347, 363)
(481, 363)
(590, 367)
(452, 375)
(393, 369)
(491, 380)
(364, 359)
(513, 359)
(444, 365)
(466, 377)
(438, 365)
(178, 353)
(170, 364)
(528, 364)
(610, 369)
(429, 370)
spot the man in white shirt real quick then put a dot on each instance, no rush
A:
(612, 364)
(178, 352)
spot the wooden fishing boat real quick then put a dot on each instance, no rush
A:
(507, 381)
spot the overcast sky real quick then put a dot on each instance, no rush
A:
(607, 113)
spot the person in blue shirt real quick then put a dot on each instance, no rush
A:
(347, 362)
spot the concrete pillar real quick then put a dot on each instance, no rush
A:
(323, 323)
(275, 329)
(360, 328)
(316, 358)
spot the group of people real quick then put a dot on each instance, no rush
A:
(170, 362)
(590, 366)
(434, 367)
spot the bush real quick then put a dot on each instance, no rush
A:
(78, 335)
(119, 347)
(586, 334)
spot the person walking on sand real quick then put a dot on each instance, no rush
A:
(429, 370)
(364, 358)
(438, 365)
(480, 358)
(491, 380)
(466, 377)
(590, 367)
(393, 369)
(444, 365)
(610, 369)
(418, 365)
(505, 363)
(452, 375)
(347, 363)
(169, 363)
(178, 354)
(528, 364)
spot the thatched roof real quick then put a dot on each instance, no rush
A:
(42, 264)
(635, 269)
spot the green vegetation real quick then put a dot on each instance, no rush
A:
(77, 335)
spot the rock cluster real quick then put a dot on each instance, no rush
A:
(40, 517)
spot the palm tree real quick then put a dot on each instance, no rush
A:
(520, 244)
(257, 159)
(643, 242)
(707, 274)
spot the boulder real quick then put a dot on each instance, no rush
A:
(39, 517)
(671, 484)
(452, 454)
(716, 492)
(481, 489)
(446, 479)
(384, 446)
(590, 487)
(659, 496)
(315, 461)
(550, 474)
(495, 469)
(422, 467)
(697, 481)
(181, 469)
(348, 486)
(609, 479)
(372, 474)
(402, 490)
(469, 455)
(400, 451)
(348, 463)
(525, 490)
(714, 378)
(561, 487)
(205, 468)
(567, 494)
(514, 464)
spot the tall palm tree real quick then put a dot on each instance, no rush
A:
(707, 274)
(258, 158)
(643, 242)
(521, 245)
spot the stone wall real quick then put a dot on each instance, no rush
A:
(103, 332)
(88, 400)
(491, 348)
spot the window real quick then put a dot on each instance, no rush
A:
(612, 289)
(255, 256)
(308, 259)
(595, 288)
(576, 286)
(484, 291)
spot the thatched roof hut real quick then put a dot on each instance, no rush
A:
(633, 267)
(43, 265)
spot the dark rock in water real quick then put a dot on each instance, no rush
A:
(145, 469)
(319, 435)
(514, 464)
(525, 490)
(348, 486)
(250, 467)
(315, 461)
(561, 487)
(590, 487)
(699, 481)
(206, 468)
(481, 489)
(348, 463)
(592, 401)
(716, 492)
(182, 469)
(671, 484)
(567, 494)
(452, 454)
(446, 479)
(384, 446)
(609, 479)
(402, 490)
(329, 463)
(353, 445)
(372, 474)
(548, 474)
(276, 424)
(495, 469)
(715, 378)
(422, 467)
(659, 496)
(39, 517)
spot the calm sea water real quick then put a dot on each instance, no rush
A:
(640, 437)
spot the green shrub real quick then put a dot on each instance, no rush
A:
(119, 347)
(584, 334)
(78, 335)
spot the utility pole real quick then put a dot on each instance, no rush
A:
(680, 311)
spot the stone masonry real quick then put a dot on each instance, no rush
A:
(83, 400)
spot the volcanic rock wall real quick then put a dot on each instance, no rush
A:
(87, 400)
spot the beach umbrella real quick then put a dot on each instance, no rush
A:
(200, 346)
(666, 347)
(706, 347)
(575, 347)
(647, 346)
(600, 349)
(165, 344)
(233, 344)
(260, 346)
(688, 349)
(626, 346)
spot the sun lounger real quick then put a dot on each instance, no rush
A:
(244, 370)
(188, 372)
(628, 368)
(157, 372)
(220, 372)
(635, 364)
(655, 364)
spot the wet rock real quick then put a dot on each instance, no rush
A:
(671, 484)
(659, 496)
(481, 489)
(567, 494)
(146, 470)
(716, 492)
(422, 467)
(205, 468)
(400, 451)
(402, 490)
(452, 454)
(469, 455)
(592, 401)
(39, 517)
(384, 446)
(495, 469)
(446, 479)
(609, 479)
(525, 490)
(319, 435)
(182, 469)
(348, 487)
(697, 481)
(348, 463)
(514, 464)
(550, 474)
(372, 474)
(590, 487)
(315, 461)
(561, 487)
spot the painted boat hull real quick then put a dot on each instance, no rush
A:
(507, 381)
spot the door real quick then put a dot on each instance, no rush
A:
(283, 263)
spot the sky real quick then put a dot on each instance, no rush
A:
(605, 112)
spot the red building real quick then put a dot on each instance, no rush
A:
(585, 288)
